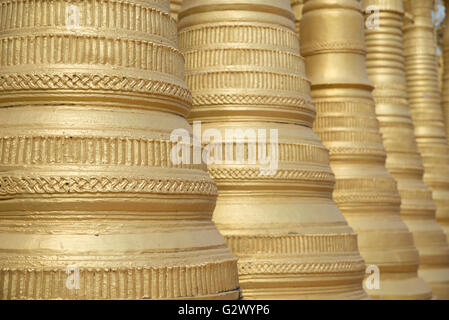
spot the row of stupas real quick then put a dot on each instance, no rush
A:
(93, 205)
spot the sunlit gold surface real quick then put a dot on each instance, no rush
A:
(425, 104)
(245, 71)
(332, 41)
(86, 113)
(386, 70)
(445, 55)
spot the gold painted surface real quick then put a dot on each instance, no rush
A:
(244, 69)
(333, 43)
(386, 70)
(445, 55)
(425, 104)
(87, 105)
(175, 7)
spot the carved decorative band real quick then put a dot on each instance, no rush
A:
(139, 16)
(416, 194)
(244, 57)
(281, 174)
(439, 172)
(11, 186)
(79, 81)
(298, 102)
(293, 244)
(366, 151)
(352, 200)
(361, 107)
(247, 79)
(380, 98)
(265, 35)
(287, 152)
(298, 268)
(90, 50)
(350, 122)
(386, 5)
(122, 283)
(317, 47)
(75, 150)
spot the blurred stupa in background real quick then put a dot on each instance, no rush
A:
(386, 70)
(333, 43)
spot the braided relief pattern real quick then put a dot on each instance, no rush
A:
(10, 185)
(78, 81)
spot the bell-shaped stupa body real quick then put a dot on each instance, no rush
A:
(332, 41)
(175, 7)
(246, 74)
(90, 93)
(425, 103)
(386, 70)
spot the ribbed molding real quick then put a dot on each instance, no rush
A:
(121, 283)
(334, 49)
(386, 69)
(425, 105)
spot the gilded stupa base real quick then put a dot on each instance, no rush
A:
(105, 211)
(288, 261)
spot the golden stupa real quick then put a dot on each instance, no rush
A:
(386, 70)
(90, 93)
(333, 43)
(425, 103)
(445, 72)
(245, 72)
